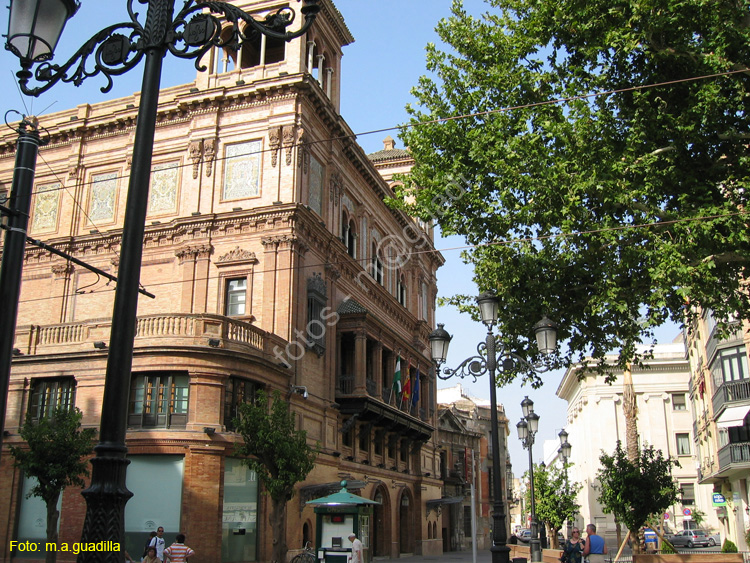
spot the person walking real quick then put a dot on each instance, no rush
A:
(178, 552)
(573, 547)
(158, 542)
(357, 550)
(594, 549)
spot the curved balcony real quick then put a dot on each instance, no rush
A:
(151, 330)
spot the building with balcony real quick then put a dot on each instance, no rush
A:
(665, 421)
(271, 255)
(720, 396)
(465, 444)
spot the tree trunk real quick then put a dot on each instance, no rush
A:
(278, 529)
(52, 516)
(630, 410)
(618, 530)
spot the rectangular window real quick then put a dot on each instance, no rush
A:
(236, 296)
(683, 444)
(467, 521)
(50, 394)
(730, 365)
(364, 439)
(688, 493)
(159, 400)
(237, 392)
(678, 402)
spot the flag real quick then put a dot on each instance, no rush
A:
(407, 389)
(415, 395)
(397, 376)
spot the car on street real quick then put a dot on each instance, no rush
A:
(524, 535)
(691, 538)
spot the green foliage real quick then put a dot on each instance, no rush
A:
(729, 547)
(667, 548)
(699, 517)
(55, 452)
(613, 210)
(554, 496)
(273, 447)
(635, 491)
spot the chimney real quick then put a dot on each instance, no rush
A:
(388, 143)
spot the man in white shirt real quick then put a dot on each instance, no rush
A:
(357, 552)
(158, 542)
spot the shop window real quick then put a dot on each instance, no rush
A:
(239, 519)
(237, 392)
(47, 395)
(159, 400)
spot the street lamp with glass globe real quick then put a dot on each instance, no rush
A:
(527, 429)
(493, 357)
(34, 29)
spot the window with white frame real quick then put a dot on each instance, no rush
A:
(236, 297)
(678, 402)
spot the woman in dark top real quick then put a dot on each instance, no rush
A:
(574, 547)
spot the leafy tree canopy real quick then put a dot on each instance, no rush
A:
(633, 491)
(275, 449)
(554, 496)
(606, 212)
(55, 452)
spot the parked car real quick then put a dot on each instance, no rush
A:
(691, 538)
(524, 535)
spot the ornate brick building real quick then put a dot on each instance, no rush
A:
(275, 265)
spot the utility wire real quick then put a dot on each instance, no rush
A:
(414, 124)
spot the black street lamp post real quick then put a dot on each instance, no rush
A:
(527, 429)
(489, 357)
(34, 29)
(564, 453)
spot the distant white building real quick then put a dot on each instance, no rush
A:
(596, 422)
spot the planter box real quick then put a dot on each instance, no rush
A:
(688, 558)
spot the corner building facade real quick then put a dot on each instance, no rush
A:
(275, 264)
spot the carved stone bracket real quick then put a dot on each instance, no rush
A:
(62, 270)
(209, 153)
(237, 256)
(288, 136)
(274, 141)
(337, 187)
(303, 152)
(280, 240)
(193, 252)
(195, 149)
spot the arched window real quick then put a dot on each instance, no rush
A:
(401, 289)
(377, 264)
(349, 236)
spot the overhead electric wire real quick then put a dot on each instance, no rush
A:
(319, 265)
(465, 116)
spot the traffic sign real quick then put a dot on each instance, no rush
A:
(687, 512)
(666, 516)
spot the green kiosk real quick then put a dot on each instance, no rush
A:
(337, 516)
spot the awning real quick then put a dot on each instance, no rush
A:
(732, 416)
(445, 500)
(343, 497)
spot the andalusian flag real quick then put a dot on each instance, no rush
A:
(397, 376)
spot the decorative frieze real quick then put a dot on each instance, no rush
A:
(237, 256)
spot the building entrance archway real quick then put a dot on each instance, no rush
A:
(406, 522)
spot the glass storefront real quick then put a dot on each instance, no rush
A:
(239, 528)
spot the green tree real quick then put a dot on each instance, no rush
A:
(278, 453)
(554, 496)
(613, 210)
(634, 491)
(54, 453)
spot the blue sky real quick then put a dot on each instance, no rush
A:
(378, 72)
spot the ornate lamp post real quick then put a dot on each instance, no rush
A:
(491, 356)
(527, 429)
(34, 29)
(564, 453)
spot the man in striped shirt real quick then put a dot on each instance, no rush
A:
(178, 552)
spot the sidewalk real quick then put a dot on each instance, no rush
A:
(483, 556)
